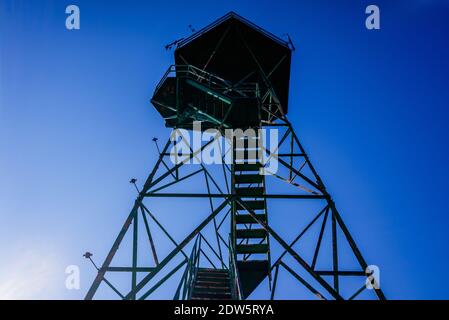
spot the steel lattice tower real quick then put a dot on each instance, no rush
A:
(233, 75)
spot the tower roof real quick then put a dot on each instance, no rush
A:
(239, 51)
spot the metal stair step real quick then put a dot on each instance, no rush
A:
(213, 277)
(206, 296)
(249, 192)
(247, 157)
(246, 218)
(250, 233)
(218, 272)
(252, 248)
(253, 205)
(212, 284)
(213, 272)
(246, 147)
(247, 167)
(205, 289)
(248, 178)
(247, 160)
(210, 296)
(246, 137)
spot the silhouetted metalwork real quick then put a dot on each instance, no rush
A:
(234, 75)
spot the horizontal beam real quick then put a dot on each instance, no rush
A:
(217, 195)
(340, 273)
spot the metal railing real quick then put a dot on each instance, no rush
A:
(245, 89)
(185, 287)
(236, 287)
(184, 291)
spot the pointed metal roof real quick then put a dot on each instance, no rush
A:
(237, 50)
(228, 16)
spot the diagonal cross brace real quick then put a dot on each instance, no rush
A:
(164, 262)
(292, 252)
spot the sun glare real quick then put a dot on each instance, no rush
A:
(28, 275)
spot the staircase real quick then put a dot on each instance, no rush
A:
(251, 241)
(187, 93)
(211, 284)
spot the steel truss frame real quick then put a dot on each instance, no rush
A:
(152, 189)
(312, 188)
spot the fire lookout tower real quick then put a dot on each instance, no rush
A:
(233, 75)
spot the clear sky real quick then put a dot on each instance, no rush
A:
(75, 124)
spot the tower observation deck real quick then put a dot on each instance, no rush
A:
(231, 73)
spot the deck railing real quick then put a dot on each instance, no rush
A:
(244, 89)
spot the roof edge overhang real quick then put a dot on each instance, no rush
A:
(241, 19)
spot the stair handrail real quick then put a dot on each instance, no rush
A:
(194, 267)
(190, 273)
(236, 285)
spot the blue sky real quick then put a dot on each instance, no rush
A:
(370, 107)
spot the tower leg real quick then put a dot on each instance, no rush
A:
(156, 181)
(302, 174)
